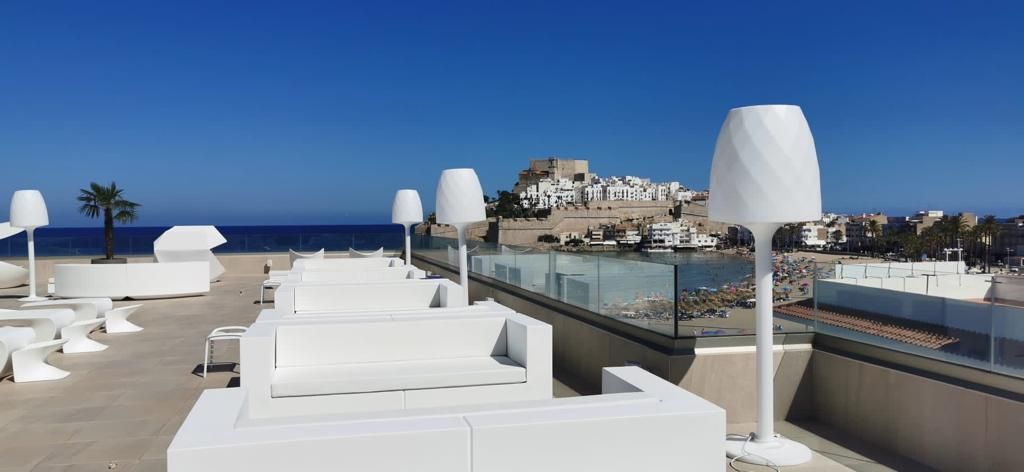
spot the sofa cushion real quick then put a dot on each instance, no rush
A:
(390, 376)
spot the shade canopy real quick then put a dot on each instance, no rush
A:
(460, 200)
(6, 230)
(407, 208)
(765, 168)
(28, 209)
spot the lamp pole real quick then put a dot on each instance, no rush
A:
(32, 297)
(408, 244)
(764, 331)
(463, 262)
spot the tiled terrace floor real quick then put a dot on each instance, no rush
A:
(119, 408)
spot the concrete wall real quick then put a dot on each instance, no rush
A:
(936, 423)
(525, 231)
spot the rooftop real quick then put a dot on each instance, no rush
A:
(120, 408)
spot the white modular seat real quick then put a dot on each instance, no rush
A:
(640, 422)
(355, 254)
(347, 264)
(314, 298)
(12, 275)
(376, 364)
(191, 244)
(116, 320)
(136, 280)
(294, 256)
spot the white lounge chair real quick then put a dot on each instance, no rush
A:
(223, 333)
(354, 254)
(84, 308)
(12, 275)
(117, 320)
(28, 358)
(293, 256)
(48, 322)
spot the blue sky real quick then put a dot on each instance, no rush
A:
(315, 113)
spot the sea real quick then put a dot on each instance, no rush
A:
(695, 268)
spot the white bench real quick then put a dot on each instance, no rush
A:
(639, 423)
(136, 280)
(378, 364)
(480, 308)
(313, 298)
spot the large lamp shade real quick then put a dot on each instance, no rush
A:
(407, 208)
(28, 209)
(460, 200)
(765, 168)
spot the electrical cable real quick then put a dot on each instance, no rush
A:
(745, 453)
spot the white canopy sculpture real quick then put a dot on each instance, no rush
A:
(293, 256)
(190, 244)
(354, 254)
(10, 274)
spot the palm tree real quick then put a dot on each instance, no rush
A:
(988, 229)
(110, 201)
(874, 231)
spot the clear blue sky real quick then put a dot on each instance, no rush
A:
(303, 112)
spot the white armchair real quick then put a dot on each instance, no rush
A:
(342, 366)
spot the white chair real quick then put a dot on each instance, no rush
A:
(28, 358)
(354, 254)
(220, 334)
(117, 320)
(293, 256)
(84, 308)
(48, 322)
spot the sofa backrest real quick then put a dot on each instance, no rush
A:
(405, 294)
(389, 341)
(376, 275)
(342, 264)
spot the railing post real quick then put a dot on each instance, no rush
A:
(675, 301)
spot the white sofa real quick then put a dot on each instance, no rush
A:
(314, 298)
(332, 366)
(136, 280)
(639, 423)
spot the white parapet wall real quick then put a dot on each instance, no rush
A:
(640, 422)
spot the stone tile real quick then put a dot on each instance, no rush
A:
(135, 428)
(24, 454)
(107, 451)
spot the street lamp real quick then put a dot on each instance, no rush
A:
(407, 211)
(28, 210)
(460, 201)
(764, 175)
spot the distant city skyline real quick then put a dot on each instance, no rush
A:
(316, 113)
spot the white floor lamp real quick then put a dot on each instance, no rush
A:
(407, 210)
(28, 210)
(460, 201)
(765, 174)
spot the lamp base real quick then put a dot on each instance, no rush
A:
(33, 298)
(778, 451)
